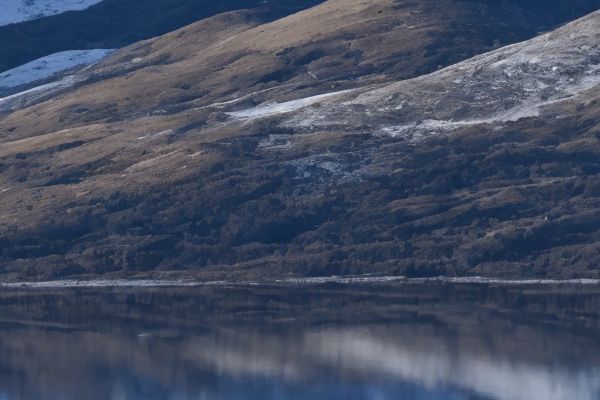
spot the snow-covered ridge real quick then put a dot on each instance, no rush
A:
(46, 67)
(13, 11)
(514, 82)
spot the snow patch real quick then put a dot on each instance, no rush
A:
(50, 65)
(6, 103)
(269, 109)
(168, 132)
(419, 130)
(14, 11)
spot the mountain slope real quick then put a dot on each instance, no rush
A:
(506, 85)
(110, 24)
(40, 39)
(178, 154)
(341, 44)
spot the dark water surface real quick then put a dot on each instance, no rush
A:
(329, 341)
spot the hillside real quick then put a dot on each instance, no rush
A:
(33, 29)
(351, 137)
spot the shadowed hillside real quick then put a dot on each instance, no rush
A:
(116, 23)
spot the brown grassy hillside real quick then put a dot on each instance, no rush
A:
(138, 167)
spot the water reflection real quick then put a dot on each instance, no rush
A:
(299, 343)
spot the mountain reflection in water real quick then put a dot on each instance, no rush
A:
(379, 341)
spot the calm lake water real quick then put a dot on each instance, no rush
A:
(328, 341)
